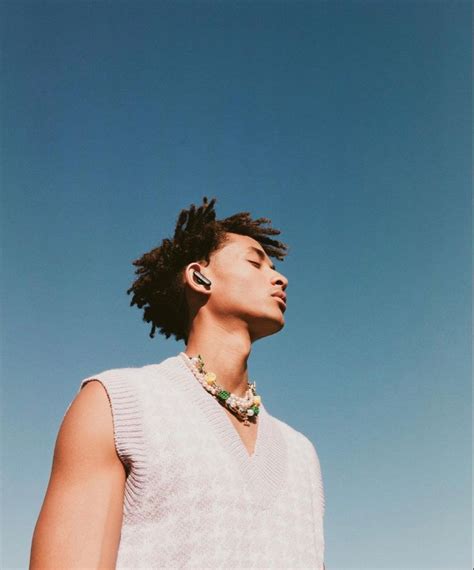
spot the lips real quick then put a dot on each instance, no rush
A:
(280, 298)
(280, 294)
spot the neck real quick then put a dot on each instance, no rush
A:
(224, 352)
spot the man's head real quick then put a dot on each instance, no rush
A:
(233, 253)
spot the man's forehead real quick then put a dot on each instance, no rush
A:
(246, 244)
(241, 242)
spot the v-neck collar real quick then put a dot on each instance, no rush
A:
(232, 429)
(265, 470)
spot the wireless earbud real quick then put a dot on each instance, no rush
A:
(201, 279)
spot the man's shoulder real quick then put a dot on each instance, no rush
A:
(132, 373)
(123, 372)
(295, 436)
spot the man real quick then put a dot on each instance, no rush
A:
(179, 464)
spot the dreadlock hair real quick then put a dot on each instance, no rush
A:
(160, 289)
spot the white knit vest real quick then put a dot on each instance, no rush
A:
(194, 498)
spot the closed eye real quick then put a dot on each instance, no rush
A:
(255, 263)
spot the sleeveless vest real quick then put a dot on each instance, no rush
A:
(194, 497)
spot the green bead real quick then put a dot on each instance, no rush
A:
(223, 394)
(255, 410)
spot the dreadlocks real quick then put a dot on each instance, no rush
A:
(159, 287)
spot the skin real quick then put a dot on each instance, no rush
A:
(80, 521)
(233, 312)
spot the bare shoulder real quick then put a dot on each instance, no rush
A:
(87, 430)
(80, 520)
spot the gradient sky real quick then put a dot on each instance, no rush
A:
(346, 123)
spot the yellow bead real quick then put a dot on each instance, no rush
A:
(257, 400)
(210, 377)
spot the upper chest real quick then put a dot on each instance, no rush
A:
(247, 433)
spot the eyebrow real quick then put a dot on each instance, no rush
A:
(260, 253)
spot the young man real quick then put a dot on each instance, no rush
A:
(179, 464)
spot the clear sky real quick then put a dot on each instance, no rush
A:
(346, 123)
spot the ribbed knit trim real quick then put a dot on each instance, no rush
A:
(265, 471)
(319, 507)
(128, 430)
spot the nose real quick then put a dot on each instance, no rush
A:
(280, 279)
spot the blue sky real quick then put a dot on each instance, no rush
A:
(346, 123)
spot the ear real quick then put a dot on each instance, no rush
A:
(190, 279)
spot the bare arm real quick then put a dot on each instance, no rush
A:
(80, 521)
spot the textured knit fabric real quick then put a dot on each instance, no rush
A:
(194, 497)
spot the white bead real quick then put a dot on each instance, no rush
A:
(250, 412)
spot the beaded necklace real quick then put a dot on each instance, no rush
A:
(243, 408)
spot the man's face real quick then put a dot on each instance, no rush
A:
(244, 282)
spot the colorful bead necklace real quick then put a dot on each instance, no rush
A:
(244, 408)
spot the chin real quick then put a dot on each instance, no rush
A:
(267, 328)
